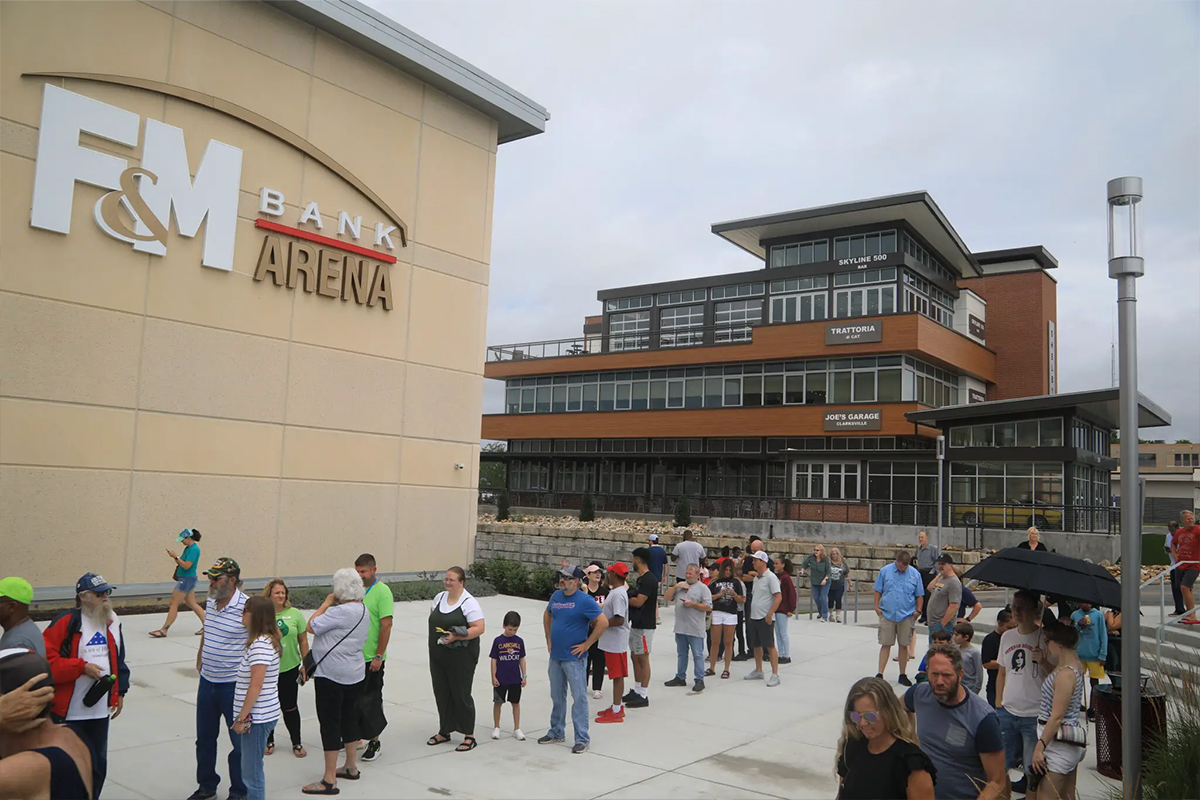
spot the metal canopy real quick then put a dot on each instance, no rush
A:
(1102, 404)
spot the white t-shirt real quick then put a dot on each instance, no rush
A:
(266, 707)
(687, 553)
(93, 649)
(470, 606)
(615, 638)
(344, 663)
(1023, 677)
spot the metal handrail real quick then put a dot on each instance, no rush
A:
(601, 343)
(1162, 605)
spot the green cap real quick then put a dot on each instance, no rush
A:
(16, 589)
(224, 566)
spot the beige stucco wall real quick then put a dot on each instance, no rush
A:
(143, 394)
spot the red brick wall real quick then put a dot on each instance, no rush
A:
(1019, 306)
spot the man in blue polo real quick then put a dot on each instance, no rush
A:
(898, 598)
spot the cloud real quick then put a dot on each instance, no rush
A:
(668, 117)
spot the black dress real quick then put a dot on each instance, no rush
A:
(867, 776)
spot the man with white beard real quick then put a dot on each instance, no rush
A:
(86, 652)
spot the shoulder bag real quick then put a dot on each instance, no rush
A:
(310, 664)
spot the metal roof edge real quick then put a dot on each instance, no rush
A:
(1039, 402)
(372, 32)
(1037, 253)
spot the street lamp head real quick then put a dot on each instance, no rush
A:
(1124, 228)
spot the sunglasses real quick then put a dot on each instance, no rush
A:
(869, 716)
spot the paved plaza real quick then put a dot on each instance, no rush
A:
(736, 740)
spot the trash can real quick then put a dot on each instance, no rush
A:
(1108, 724)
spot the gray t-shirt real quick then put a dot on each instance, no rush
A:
(766, 586)
(690, 621)
(953, 737)
(686, 554)
(615, 638)
(26, 636)
(343, 663)
(972, 669)
(942, 592)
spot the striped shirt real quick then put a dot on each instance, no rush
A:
(224, 639)
(266, 707)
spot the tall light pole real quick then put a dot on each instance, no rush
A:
(1125, 265)
(941, 462)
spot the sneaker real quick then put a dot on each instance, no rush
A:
(548, 739)
(1091, 715)
(362, 745)
(200, 794)
(597, 694)
(878, 674)
(675, 682)
(495, 733)
(697, 687)
(637, 702)
(1018, 787)
(903, 680)
(578, 748)
(741, 657)
(520, 737)
(785, 659)
(773, 680)
(629, 696)
(372, 751)
(753, 676)
(609, 716)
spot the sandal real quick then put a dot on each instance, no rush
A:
(161, 633)
(298, 751)
(270, 749)
(709, 671)
(437, 739)
(725, 675)
(323, 787)
(467, 745)
(347, 774)
(199, 632)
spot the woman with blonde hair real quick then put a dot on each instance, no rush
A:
(878, 757)
(293, 639)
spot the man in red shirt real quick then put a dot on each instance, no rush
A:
(1186, 545)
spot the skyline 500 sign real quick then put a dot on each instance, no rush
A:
(142, 201)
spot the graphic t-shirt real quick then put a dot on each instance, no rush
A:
(942, 592)
(93, 649)
(507, 651)
(615, 638)
(643, 618)
(1187, 548)
(190, 553)
(724, 592)
(291, 624)
(569, 618)
(379, 602)
(690, 621)
(953, 737)
(1022, 675)
(266, 708)
(686, 554)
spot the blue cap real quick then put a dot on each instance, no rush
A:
(91, 582)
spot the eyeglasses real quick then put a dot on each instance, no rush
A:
(869, 716)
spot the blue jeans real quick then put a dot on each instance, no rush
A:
(683, 643)
(214, 701)
(1020, 737)
(936, 625)
(820, 595)
(571, 673)
(783, 645)
(253, 745)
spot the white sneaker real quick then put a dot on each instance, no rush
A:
(755, 675)
(773, 680)
(520, 737)
(495, 733)
(362, 745)
(597, 694)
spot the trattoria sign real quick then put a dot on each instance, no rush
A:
(870, 419)
(854, 332)
(142, 201)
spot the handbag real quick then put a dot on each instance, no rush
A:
(309, 664)
(1072, 734)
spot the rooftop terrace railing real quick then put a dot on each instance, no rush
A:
(625, 342)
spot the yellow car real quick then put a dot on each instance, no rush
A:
(1020, 515)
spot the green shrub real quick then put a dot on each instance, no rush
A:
(543, 581)
(587, 511)
(506, 575)
(683, 513)
(517, 518)
(1171, 766)
(308, 597)
(502, 507)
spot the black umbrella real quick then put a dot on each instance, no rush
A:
(1049, 573)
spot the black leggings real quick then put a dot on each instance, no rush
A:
(596, 665)
(337, 713)
(836, 590)
(289, 691)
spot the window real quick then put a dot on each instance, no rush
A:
(674, 480)
(1002, 493)
(864, 302)
(924, 298)
(681, 297)
(734, 478)
(740, 290)
(629, 331)
(826, 481)
(675, 323)
(1147, 460)
(1187, 459)
(733, 313)
(1025, 433)
(799, 307)
(922, 257)
(800, 284)
(529, 476)
(886, 275)
(676, 445)
(622, 477)
(629, 303)
(575, 476)
(864, 244)
(790, 255)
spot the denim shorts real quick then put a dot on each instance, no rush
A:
(185, 584)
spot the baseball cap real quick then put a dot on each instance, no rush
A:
(654, 537)
(17, 666)
(619, 569)
(91, 582)
(186, 532)
(17, 589)
(945, 558)
(224, 566)
(593, 568)
(761, 555)
(571, 571)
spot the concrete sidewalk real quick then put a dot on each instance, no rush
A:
(736, 740)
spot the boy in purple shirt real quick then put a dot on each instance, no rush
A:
(508, 674)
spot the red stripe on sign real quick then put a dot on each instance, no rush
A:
(325, 240)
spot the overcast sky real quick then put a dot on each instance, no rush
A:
(667, 117)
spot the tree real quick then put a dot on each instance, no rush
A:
(683, 513)
(1183, 441)
(502, 507)
(587, 510)
(493, 474)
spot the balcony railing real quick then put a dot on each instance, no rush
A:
(625, 342)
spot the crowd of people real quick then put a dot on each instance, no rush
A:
(63, 686)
